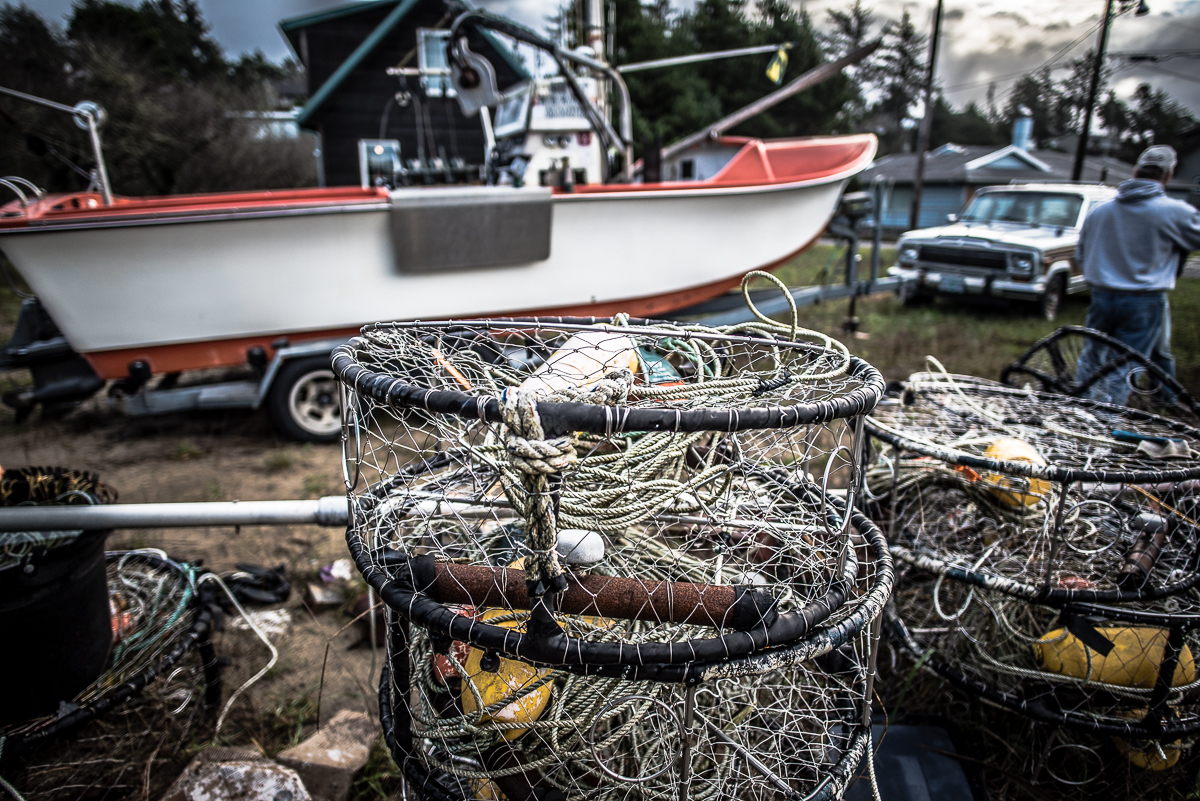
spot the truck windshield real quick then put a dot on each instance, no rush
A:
(1030, 208)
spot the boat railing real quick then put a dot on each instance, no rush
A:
(87, 115)
(14, 183)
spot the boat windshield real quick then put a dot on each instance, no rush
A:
(1030, 208)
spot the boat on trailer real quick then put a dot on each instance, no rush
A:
(140, 287)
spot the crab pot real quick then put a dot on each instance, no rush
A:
(55, 626)
(1048, 551)
(621, 558)
(162, 650)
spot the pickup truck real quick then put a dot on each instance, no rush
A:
(1014, 242)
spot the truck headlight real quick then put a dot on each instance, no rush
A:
(1022, 264)
(909, 254)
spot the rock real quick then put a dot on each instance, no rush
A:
(578, 547)
(328, 760)
(319, 597)
(236, 774)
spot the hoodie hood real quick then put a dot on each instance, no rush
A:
(1138, 189)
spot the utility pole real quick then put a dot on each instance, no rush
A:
(1093, 90)
(1085, 130)
(926, 121)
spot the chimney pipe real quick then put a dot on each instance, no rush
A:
(1022, 132)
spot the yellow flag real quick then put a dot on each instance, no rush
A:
(778, 65)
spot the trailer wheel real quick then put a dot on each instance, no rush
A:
(303, 402)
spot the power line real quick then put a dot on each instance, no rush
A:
(1044, 64)
(1160, 70)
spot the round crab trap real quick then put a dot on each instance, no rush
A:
(1049, 553)
(1096, 668)
(1056, 499)
(617, 555)
(1084, 363)
(158, 621)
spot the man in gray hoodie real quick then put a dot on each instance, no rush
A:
(1131, 249)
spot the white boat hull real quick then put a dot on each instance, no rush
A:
(120, 287)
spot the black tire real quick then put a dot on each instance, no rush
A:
(910, 296)
(1051, 302)
(304, 401)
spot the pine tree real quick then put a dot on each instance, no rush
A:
(901, 70)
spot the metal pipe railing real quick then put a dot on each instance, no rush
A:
(331, 510)
(90, 113)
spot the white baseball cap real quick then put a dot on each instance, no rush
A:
(1158, 156)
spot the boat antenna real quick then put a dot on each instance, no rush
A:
(87, 115)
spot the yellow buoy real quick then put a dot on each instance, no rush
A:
(1015, 490)
(1133, 661)
(1148, 757)
(513, 681)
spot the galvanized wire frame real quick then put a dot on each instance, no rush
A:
(1083, 363)
(1064, 590)
(1091, 486)
(162, 632)
(431, 531)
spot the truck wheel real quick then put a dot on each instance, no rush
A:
(1052, 300)
(910, 296)
(303, 402)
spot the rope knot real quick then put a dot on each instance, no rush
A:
(525, 440)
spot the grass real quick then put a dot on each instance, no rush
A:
(967, 337)
(278, 460)
(316, 485)
(186, 451)
(379, 778)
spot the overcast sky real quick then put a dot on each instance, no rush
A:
(984, 40)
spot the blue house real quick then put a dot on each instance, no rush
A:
(953, 173)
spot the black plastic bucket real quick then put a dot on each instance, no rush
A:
(55, 627)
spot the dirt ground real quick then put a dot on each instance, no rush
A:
(206, 457)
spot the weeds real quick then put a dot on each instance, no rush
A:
(279, 460)
(186, 450)
(379, 778)
(316, 485)
(284, 726)
(213, 491)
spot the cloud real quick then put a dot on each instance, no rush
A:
(984, 40)
(1015, 17)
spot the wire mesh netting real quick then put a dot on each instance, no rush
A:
(626, 550)
(160, 648)
(1049, 553)
(1084, 363)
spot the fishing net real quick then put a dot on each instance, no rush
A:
(1084, 363)
(60, 486)
(617, 555)
(161, 648)
(1049, 555)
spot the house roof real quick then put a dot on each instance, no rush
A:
(986, 164)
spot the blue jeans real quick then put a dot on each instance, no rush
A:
(1141, 320)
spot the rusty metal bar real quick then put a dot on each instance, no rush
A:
(716, 605)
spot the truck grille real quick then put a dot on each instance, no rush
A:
(962, 257)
